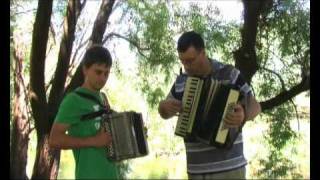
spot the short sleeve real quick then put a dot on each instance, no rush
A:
(243, 85)
(177, 89)
(245, 92)
(67, 112)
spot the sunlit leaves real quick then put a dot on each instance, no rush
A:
(279, 136)
(156, 56)
(283, 40)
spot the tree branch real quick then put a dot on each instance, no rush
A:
(99, 28)
(37, 66)
(284, 96)
(53, 32)
(23, 12)
(100, 23)
(56, 93)
(82, 43)
(245, 57)
(134, 43)
(296, 111)
(283, 86)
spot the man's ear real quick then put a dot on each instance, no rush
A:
(203, 52)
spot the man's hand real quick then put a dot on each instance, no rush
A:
(101, 139)
(235, 118)
(169, 108)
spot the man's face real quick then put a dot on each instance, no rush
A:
(96, 75)
(191, 60)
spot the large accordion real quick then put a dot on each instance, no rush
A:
(128, 135)
(205, 103)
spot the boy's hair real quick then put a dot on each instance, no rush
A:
(97, 54)
(189, 39)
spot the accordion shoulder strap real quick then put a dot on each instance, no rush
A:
(90, 97)
(105, 108)
(105, 100)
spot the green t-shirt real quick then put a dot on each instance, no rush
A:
(90, 162)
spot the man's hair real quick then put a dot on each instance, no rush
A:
(97, 55)
(189, 39)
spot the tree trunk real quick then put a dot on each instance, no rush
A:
(95, 38)
(41, 169)
(44, 153)
(284, 96)
(47, 160)
(245, 57)
(56, 93)
(100, 24)
(21, 127)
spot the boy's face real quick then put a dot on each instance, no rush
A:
(191, 60)
(96, 75)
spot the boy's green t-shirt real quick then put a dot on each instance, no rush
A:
(90, 162)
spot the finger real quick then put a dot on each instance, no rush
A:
(228, 122)
(236, 115)
(231, 126)
(232, 117)
(231, 121)
(238, 107)
(174, 113)
(173, 110)
(176, 109)
(176, 103)
(102, 129)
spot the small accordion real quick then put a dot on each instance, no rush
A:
(128, 136)
(205, 103)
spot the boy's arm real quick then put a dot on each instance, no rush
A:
(60, 140)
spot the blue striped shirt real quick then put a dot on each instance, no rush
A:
(202, 158)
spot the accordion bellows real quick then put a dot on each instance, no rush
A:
(205, 103)
(128, 136)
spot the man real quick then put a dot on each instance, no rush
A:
(87, 139)
(203, 161)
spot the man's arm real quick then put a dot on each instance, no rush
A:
(254, 108)
(60, 140)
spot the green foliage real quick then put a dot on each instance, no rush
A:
(279, 31)
(59, 8)
(278, 137)
(123, 95)
(151, 169)
(281, 59)
(156, 25)
(280, 131)
(67, 165)
(221, 38)
(283, 62)
(275, 170)
(156, 63)
(123, 169)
